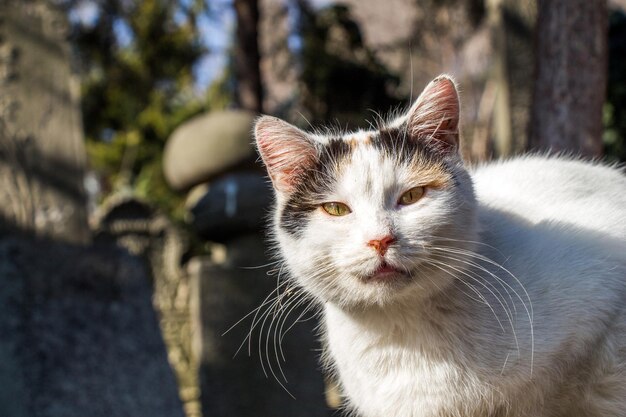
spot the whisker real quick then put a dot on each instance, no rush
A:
(439, 265)
(506, 309)
(498, 279)
(526, 305)
(497, 265)
(273, 323)
(259, 266)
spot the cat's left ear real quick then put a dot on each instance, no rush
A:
(434, 117)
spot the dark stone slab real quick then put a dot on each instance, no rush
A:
(234, 205)
(262, 383)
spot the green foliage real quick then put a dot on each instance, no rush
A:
(615, 108)
(136, 92)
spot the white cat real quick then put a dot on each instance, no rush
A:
(448, 291)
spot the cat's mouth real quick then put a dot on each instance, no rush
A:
(386, 273)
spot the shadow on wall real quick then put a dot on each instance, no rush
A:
(80, 336)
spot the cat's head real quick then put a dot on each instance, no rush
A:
(358, 215)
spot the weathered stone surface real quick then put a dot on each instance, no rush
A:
(78, 327)
(42, 154)
(13, 398)
(224, 290)
(206, 146)
(235, 204)
(136, 226)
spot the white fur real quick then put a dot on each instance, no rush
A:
(431, 347)
(512, 302)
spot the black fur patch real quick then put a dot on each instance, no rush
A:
(313, 184)
(396, 143)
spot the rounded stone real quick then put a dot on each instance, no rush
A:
(206, 146)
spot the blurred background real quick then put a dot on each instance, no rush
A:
(135, 278)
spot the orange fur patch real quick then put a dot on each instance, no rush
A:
(355, 141)
(352, 142)
(433, 175)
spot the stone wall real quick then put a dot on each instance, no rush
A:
(144, 232)
(79, 335)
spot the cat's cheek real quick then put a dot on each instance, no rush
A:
(307, 252)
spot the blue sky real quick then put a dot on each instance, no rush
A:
(216, 32)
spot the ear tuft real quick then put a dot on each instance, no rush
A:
(434, 117)
(286, 151)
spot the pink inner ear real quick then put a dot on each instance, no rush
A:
(286, 151)
(435, 115)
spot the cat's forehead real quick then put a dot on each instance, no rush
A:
(360, 138)
(353, 139)
(385, 156)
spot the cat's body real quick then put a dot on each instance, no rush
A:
(495, 292)
(448, 356)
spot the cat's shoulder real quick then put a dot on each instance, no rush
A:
(554, 168)
(556, 190)
(550, 178)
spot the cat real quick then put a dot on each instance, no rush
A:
(447, 290)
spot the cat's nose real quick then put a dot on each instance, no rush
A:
(381, 245)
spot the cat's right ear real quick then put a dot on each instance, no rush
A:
(286, 151)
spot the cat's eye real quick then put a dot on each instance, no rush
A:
(336, 209)
(411, 196)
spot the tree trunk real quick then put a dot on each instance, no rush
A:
(570, 76)
(247, 57)
(502, 129)
(42, 152)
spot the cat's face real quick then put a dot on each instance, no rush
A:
(357, 215)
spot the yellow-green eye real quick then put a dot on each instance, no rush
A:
(336, 209)
(411, 196)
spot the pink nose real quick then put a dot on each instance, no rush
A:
(381, 245)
